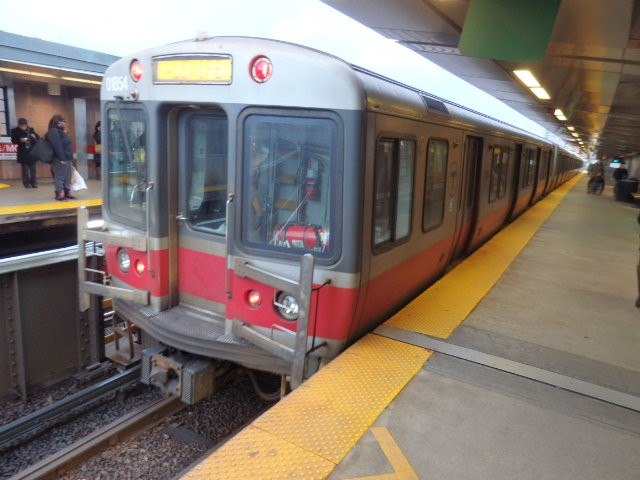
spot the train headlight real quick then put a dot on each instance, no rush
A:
(124, 261)
(260, 69)
(287, 306)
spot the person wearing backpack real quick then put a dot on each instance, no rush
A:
(62, 164)
(25, 137)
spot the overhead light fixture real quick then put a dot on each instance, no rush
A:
(48, 75)
(541, 93)
(560, 115)
(26, 72)
(570, 128)
(527, 78)
(576, 135)
(532, 83)
(83, 80)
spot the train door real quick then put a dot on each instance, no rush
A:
(467, 206)
(516, 181)
(201, 221)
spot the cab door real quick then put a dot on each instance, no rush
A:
(201, 221)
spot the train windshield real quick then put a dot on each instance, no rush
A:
(126, 160)
(289, 186)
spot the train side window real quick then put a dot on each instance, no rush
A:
(406, 155)
(435, 182)
(393, 191)
(530, 161)
(496, 167)
(383, 193)
(505, 158)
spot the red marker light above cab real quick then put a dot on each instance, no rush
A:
(260, 69)
(135, 70)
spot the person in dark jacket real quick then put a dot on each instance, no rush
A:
(97, 155)
(25, 137)
(62, 165)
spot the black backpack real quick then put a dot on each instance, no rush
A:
(42, 150)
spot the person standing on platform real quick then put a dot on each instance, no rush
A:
(62, 165)
(97, 152)
(25, 137)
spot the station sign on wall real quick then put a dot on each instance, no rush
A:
(8, 150)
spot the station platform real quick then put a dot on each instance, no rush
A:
(18, 203)
(32, 220)
(521, 363)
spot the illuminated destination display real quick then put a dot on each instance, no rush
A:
(205, 70)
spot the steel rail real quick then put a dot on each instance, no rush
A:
(135, 422)
(47, 416)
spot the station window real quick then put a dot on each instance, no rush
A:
(4, 112)
(435, 183)
(393, 190)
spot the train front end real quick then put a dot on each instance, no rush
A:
(229, 228)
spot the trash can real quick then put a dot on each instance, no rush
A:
(624, 189)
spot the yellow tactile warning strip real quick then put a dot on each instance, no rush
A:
(255, 454)
(4, 185)
(323, 418)
(445, 305)
(45, 207)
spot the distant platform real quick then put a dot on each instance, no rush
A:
(19, 204)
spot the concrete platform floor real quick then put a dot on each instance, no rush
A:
(565, 305)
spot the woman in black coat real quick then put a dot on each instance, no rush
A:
(62, 164)
(25, 137)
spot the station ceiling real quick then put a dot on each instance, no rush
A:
(589, 63)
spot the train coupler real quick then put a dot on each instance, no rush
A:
(183, 376)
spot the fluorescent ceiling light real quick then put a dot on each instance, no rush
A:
(527, 78)
(559, 115)
(26, 72)
(570, 128)
(541, 93)
(83, 80)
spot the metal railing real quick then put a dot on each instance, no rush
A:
(302, 290)
(87, 287)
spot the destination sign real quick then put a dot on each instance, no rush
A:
(202, 70)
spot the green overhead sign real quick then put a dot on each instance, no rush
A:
(513, 30)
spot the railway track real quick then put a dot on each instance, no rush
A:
(26, 427)
(129, 425)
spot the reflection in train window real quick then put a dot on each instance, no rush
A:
(207, 169)
(435, 182)
(127, 163)
(288, 189)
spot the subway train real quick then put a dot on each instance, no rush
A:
(267, 204)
